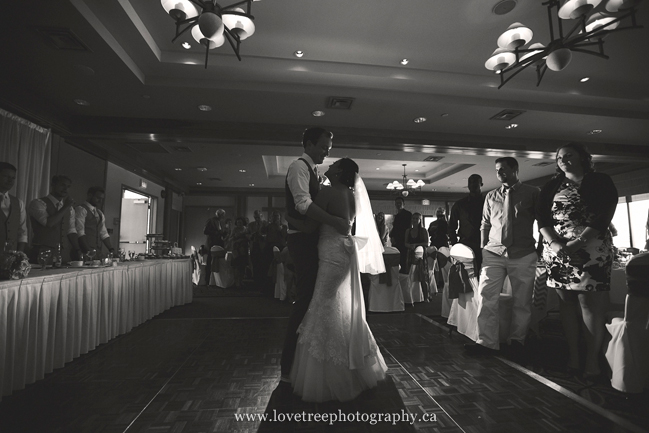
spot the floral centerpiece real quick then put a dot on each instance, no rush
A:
(14, 265)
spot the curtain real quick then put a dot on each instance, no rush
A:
(28, 147)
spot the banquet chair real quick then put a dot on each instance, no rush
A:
(280, 283)
(627, 352)
(198, 268)
(289, 274)
(445, 266)
(385, 289)
(412, 291)
(463, 313)
(222, 274)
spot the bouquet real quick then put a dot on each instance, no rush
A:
(14, 265)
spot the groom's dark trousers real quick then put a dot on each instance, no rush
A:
(303, 249)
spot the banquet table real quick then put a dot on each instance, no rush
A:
(54, 316)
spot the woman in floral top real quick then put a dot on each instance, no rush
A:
(574, 211)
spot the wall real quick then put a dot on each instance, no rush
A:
(116, 177)
(84, 169)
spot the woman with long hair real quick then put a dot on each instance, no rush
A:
(574, 211)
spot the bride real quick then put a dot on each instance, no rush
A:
(337, 357)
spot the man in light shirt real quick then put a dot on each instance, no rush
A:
(13, 217)
(91, 224)
(302, 185)
(507, 236)
(52, 219)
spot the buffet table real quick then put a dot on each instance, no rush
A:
(54, 316)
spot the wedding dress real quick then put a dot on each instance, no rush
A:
(337, 357)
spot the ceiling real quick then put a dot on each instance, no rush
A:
(143, 91)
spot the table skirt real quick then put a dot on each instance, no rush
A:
(52, 317)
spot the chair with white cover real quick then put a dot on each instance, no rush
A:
(222, 274)
(198, 268)
(385, 289)
(445, 268)
(464, 309)
(412, 291)
(280, 283)
(627, 352)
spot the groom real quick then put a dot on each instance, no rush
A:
(302, 187)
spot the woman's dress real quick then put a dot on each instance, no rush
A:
(336, 357)
(589, 268)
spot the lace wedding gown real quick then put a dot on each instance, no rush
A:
(336, 357)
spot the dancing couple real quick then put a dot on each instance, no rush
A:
(329, 351)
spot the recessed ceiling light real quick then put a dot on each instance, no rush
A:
(242, 170)
(298, 53)
(199, 183)
(444, 115)
(595, 131)
(416, 169)
(178, 169)
(251, 184)
(81, 102)
(201, 168)
(186, 45)
(377, 168)
(511, 126)
(420, 120)
(404, 62)
(205, 108)
(318, 113)
(583, 80)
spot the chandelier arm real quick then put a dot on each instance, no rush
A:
(207, 51)
(540, 72)
(189, 26)
(594, 53)
(550, 22)
(234, 5)
(230, 37)
(520, 68)
(581, 24)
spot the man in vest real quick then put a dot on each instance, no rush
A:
(13, 217)
(302, 186)
(52, 219)
(91, 224)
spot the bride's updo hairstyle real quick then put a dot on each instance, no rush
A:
(349, 169)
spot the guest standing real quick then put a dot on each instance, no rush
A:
(438, 230)
(216, 236)
(416, 236)
(575, 210)
(90, 223)
(53, 221)
(401, 223)
(509, 250)
(13, 216)
(382, 227)
(240, 259)
(466, 215)
(257, 231)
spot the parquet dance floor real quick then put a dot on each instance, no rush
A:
(182, 372)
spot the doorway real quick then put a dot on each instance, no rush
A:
(136, 220)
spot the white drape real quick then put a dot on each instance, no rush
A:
(28, 147)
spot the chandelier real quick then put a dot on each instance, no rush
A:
(592, 24)
(406, 185)
(211, 24)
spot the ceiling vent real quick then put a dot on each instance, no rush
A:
(542, 164)
(433, 158)
(147, 147)
(184, 149)
(62, 39)
(507, 115)
(340, 103)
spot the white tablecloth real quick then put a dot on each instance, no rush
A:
(54, 316)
